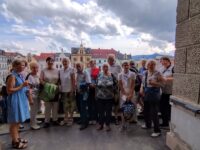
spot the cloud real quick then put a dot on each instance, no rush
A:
(52, 24)
(156, 17)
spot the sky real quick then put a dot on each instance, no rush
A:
(129, 26)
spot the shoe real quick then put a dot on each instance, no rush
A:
(164, 125)
(21, 126)
(100, 127)
(55, 123)
(133, 122)
(123, 128)
(46, 125)
(64, 122)
(35, 127)
(155, 134)
(39, 122)
(108, 128)
(116, 121)
(39, 112)
(83, 127)
(145, 127)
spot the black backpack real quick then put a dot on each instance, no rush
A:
(138, 82)
(3, 89)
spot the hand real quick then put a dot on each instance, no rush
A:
(151, 82)
(31, 102)
(129, 98)
(26, 83)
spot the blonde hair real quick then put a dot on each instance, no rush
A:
(18, 62)
(32, 64)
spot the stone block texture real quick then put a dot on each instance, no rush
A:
(194, 7)
(193, 59)
(180, 60)
(187, 87)
(182, 10)
(187, 32)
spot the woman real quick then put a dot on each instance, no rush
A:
(165, 107)
(126, 84)
(82, 83)
(105, 89)
(67, 82)
(17, 103)
(151, 90)
(50, 75)
(34, 85)
(94, 72)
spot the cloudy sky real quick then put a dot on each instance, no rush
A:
(130, 26)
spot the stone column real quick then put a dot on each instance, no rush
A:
(185, 116)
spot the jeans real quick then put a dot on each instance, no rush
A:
(105, 111)
(165, 108)
(83, 109)
(92, 105)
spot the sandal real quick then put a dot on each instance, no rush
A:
(23, 140)
(19, 145)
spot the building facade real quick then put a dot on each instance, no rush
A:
(3, 67)
(82, 55)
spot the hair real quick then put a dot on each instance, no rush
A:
(32, 64)
(92, 61)
(49, 59)
(151, 61)
(79, 63)
(131, 62)
(111, 56)
(125, 62)
(67, 59)
(166, 58)
(105, 64)
(144, 61)
(18, 62)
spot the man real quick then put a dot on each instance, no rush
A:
(115, 69)
(143, 68)
(165, 108)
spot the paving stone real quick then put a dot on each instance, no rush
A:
(194, 7)
(180, 61)
(186, 86)
(193, 59)
(182, 10)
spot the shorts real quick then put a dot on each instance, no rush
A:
(68, 100)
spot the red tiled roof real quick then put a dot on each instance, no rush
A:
(102, 53)
(43, 56)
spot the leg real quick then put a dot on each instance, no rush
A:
(147, 118)
(55, 111)
(33, 112)
(108, 111)
(14, 127)
(100, 111)
(154, 116)
(165, 109)
(47, 112)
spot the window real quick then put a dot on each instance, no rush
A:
(75, 59)
(60, 66)
(56, 66)
(88, 59)
(99, 61)
(81, 59)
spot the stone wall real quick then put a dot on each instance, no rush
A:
(185, 117)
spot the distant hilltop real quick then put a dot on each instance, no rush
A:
(152, 56)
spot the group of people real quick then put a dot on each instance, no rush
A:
(93, 93)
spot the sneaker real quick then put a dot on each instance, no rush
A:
(21, 126)
(155, 134)
(83, 127)
(46, 125)
(100, 127)
(145, 127)
(39, 122)
(64, 122)
(116, 121)
(55, 123)
(35, 127)
(123, 128)
(108, 128)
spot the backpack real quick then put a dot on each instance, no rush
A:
(138, 82)
(3, 89)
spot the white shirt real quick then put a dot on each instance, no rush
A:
(115, 69)
(126, 79)
(50, 76)
(65, 79)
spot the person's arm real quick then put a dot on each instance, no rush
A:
(159, 81)
(11, 83)
(131, 93)
(121, 84)
(42, 77)
(73, 82)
